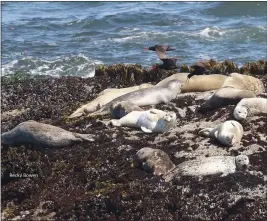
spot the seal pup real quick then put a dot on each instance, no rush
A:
(105, 97)
(150, 121)
(147, 96)
(223, 165)
(225, 96)
(120, 109)
(249, 107)
(228, 133)
(42, 136)
(244, 82)
(154, 161)
(197, 83)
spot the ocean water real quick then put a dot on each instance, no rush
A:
(71, 38)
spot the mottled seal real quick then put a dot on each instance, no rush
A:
(147, 96)
(105, 97)
(217, 165)
(42, 136)
(154, 161)
(198, 83)
(228, 133)
(120, 109)
(225, 96)
(149, 121)
(244, 82)
(248, 107)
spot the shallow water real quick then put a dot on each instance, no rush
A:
(66, 38)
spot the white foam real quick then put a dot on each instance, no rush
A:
(212, 32)
(74, 65)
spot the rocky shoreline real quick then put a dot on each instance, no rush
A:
(98, 181)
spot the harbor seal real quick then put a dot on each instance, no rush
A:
(150, 121)
(105, 97)
(223, 165)
(244, 82)
(42, 136)
(225, 96)
(154, 161)
(127, 89)
(147, 96)
(197, 83)
(249, 107)
(120, 109)
(228, 133)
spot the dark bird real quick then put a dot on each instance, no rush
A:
(168, 62)
(160, 50)
(199, 69)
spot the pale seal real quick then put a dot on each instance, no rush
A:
(147, 96)
(225, 96)
(42, 136)
(150, 121)
(105, 97)
(244, 82)
(228, 133)
(126, 89)
(154, 161)
(249, 107)
(217, 165)
(120, 109)
(198, 83)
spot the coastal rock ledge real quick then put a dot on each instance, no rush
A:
(99, 180)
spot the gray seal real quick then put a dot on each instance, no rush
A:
(249, 107)
(218, 165)
(147, 96)
(154, 161)
(41, 136)
(121, 109)
(225, 96)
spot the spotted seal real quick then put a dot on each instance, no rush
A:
(198, 83)
(216, 165)
(154, 161)
(150, 121)
(105, 97)
(244, 82)
(225, 96)
(228, 133)
(120, 109)
(42, 136)
(147, 96)
(248, 107)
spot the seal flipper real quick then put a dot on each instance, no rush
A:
(146, 130)
(205, 132)
(84, 137)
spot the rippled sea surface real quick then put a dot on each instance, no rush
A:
(67, 38)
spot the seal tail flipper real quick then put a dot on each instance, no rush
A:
(146, 130)
(103, 111)
(115, 123)
(85, 137)
(76, 114)
(205, 132)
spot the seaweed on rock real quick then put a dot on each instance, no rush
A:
(98, 181)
